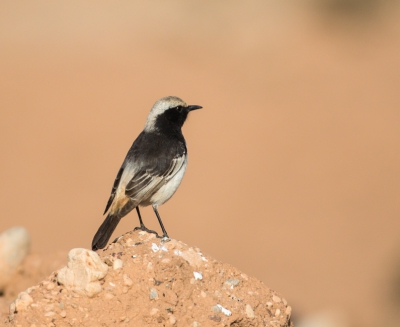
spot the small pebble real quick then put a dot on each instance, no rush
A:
(155, 247)
(203, 294)
(153, 311)
(226, 312)
(108, 262)
(249, 311)
(49, 314)
(196, 324)
(118, 263)
(172, 320)
(276, 299)
(277, 312)
(288, 311)
(63, 313)
(232, 283)
(50, 286)
(127, 280)
(197, 275)
(269, 304)
(153, 294)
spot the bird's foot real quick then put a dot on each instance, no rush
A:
(145, 229)
(164, 239)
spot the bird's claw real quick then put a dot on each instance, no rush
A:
(145, 229)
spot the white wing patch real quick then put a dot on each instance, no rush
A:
(145, 188)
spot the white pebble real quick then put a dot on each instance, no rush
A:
(197, 275)
(155, 247)
(226, 312)
(118, 263)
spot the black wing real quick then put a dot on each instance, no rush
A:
(146, 182)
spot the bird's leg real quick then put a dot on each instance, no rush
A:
(165, 235)
(142, 226)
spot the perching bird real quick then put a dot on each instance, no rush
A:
(152, 170)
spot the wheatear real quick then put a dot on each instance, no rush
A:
(152, 170)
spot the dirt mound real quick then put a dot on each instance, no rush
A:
(152, 283)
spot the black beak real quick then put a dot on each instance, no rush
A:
(194, 107)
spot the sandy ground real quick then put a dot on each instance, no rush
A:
(293, 174)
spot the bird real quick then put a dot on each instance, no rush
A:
(152, 170)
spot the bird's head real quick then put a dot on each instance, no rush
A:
(168, 112)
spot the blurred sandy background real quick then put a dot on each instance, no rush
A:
(294, 167)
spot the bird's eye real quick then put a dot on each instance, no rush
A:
(179, 108)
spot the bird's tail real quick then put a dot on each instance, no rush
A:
(105, 231)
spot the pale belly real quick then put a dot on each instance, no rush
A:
(167, 190)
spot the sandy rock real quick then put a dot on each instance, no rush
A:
(83, 272)
(250, 311)
(21, 303)
(148, 290)
(14, 247)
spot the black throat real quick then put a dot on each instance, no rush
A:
(170, 122)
